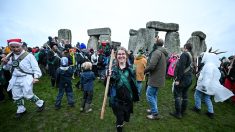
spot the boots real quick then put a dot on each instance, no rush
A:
(88, 108)
(210, 115)
(184, 106)
(177, 113)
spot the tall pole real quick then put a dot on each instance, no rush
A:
(107, 85)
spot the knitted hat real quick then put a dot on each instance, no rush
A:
(82, 46)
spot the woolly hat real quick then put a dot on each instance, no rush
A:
(64, 61)
(82, 46)
(14, 41)
(103, 43)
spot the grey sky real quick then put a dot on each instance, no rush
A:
(35, 20)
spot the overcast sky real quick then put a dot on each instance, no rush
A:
(35, 20)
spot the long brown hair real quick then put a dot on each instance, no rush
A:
(127, 55)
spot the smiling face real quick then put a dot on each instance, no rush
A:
(16, 48)
(121, 56)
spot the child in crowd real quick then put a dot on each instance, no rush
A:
(63, 80)
(87, 84)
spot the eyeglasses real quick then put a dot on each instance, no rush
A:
(121, 54)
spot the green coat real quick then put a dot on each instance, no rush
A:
(156, 68)
(123, 86)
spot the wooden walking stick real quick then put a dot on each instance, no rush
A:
(107, 85)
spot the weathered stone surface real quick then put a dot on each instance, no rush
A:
(144, 39)
(132, 42)
(204, 47)
(105, 38)
(172, 42)
(160, 26)
(93, 42)
(156, 33)
(199, 45)
(99, 31)
(199, 34)
(65, 34)
(116, 45)
(132, 32)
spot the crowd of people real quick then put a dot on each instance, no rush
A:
(21, 66)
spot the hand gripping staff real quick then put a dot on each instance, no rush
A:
(107, 85)
(7, 57)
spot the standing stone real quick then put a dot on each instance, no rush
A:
(93, 42)
(116, 45)
(105, 38)
(98, 35)
(65, 34)
(198, 42)
(132, 42)
(132, 39)
(200, 34)
(172, 42)
(144, 40)
(198, 46)
(133, 32)
(204, 47)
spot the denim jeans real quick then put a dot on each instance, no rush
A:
(139, 86)
(69, 94)
(198, 96)
(88, 96)
(151, 95)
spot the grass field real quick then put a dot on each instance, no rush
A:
(70, 119)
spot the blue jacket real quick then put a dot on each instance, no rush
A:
(87, 80)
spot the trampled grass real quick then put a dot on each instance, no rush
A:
(70, 119)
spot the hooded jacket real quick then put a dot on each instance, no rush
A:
(140, 63)
(208, 81)
(157, 67)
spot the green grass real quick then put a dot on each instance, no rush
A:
(70, 119)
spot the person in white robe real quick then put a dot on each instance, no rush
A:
(24, 74)
(208, 84)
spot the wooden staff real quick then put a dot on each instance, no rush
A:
(231, 65)
(107, 85)
(53, 51)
